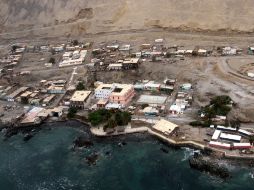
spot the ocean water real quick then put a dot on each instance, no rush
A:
(48, 162)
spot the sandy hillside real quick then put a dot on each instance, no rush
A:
(113, 15)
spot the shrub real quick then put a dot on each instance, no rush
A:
(195, 123)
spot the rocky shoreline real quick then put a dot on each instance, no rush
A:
(201, 163)
(209, 165)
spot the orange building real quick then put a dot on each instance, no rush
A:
(122, 94)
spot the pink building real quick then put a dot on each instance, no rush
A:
(122, 94)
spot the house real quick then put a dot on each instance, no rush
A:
(111, 106)
(59, 48)
(159, 41)
(150, 111)
(186, 86)
(32, 116)
(251, 50)
(67, 55)
(250, 74)
(131, 63)
(115, 67)
(125, 47)
(146, 46)
(46, 101)
(175, 109)
(229, 51)
(11, 97)
(113, 47)
(152, 86)
(165, 127)
(79, 98)
(53, 89)
(202, 52)
(188, 52)
(216, 144)
(102, 103)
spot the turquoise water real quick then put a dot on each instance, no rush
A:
(47, 162)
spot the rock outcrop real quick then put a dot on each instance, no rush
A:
(204, 165)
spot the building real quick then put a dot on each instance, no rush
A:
(116, 93)
(56, 89)
(125, 47)
(230, 137)
(150, 111)
(216, 134)
(152, 100)
(186, 86)
(103, 91)
(32, 116)
(115, 67)
(151, 86)
(102, 103)
(251, 50)
(67, 55)
(131, 63)
(202, 52)
(242, 145)
(229, 51)
(216, 144)
(245, 133)
(78, 58)
(122, 94)
(46, 101)
(175, 109)
(112, 106)
(11, 97)
(79, 98)
(165, 127)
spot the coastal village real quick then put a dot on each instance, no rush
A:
(77, 80)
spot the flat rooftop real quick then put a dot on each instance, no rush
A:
(149, 99)
(165, 126)
(80, 96)
(117, 89)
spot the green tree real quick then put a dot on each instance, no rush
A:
(220, 100)
(52, 60)
(99, 116)
(72, 112)
(24, 100)
(119, 119)
(235, 124)
(80, 86)
(126, 116)
(111, 123)
(75, 42)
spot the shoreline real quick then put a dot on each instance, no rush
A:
(98, 132)
(172, 142)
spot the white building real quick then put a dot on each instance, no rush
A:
(103, 91)
(228, 51)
